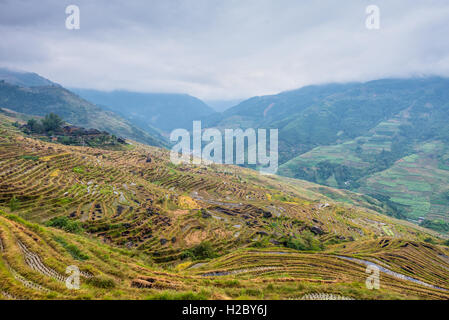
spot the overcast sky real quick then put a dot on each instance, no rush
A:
(223, 49)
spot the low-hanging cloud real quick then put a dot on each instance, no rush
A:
(223, 49)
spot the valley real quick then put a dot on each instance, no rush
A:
(242, 157)
(386, 139)
(139, 227)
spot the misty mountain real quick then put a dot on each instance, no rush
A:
(388, 139)
(41, 100)
(24, 79)
(326, 114)
(223, 105)
(164, 111)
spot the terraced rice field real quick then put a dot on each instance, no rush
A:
(350, 153)
(415, 182)
(134, 224)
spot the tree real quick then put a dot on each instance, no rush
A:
(35, 126)
(52, 122)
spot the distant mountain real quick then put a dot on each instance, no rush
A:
(387, 138)
(327, 114)
(24, 79)
(222, 105)
(161, 110)
(41, 100)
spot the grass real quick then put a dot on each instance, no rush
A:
(66, 224)
(78, 170)
(173, 295)
(415, 183)
(101, 282)
(411, 181)
(74, 251)
(30, 157)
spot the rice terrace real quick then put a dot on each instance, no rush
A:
(248, 151)
(139, 227)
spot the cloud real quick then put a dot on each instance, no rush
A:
(217, 49)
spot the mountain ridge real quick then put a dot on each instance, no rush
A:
(341, 135)
(24, 79)
(165, 111)
(41, 100)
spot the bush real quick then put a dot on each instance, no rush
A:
(262, 243)
(65, 224)
(307, 242)
(202, 251)
(34, 126)
(28, 157)
(14, 204)
(52, 122)
(78, 170)
(101, 282)
(437, 225)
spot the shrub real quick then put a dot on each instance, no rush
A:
(52, 122)
(202, 251)
(65, 224)
(262, 243)
(101, 282)
(437, 225)
(78, 170)
(307, 242)
(28, 157)
(14, 204)
(35, 126)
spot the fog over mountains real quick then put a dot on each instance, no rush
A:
(161, 110)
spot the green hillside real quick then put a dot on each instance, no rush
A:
(357, 136)
(43, 100)
(401, 161)
(328, 114)
(139, 227)
(24, 79)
